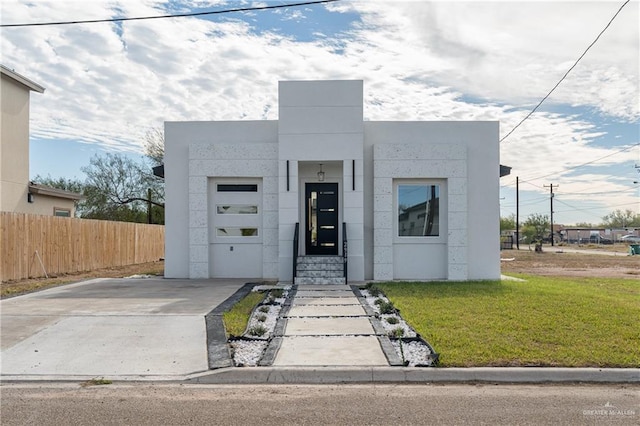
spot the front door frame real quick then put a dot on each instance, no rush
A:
(327, 236)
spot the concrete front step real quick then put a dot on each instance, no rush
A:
(320, 259)
(320, 274)
(315, 266)
(343, 294)
(319, 280)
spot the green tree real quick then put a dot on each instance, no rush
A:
(118, 188)
(621, 219)
(154, 146)
(536, 227)
(508, 223)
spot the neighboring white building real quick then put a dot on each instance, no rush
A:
(420, 200)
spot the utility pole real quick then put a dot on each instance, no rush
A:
(551, 199)
(149, 205)
(517, 213)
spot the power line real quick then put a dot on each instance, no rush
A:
(590, 208)
(583, 193)
(180, 15)
(583, 164)
(565, 74)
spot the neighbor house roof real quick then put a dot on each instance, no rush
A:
(30, 84)
(54, 192)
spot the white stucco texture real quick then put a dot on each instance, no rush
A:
(321, 122)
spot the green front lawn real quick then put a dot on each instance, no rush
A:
(545, 321)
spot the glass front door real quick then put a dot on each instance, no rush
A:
(321, 218)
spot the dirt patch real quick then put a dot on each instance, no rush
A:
(16, 288)
(551, 263)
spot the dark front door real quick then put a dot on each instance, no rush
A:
(321, 218)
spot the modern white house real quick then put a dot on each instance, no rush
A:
(393, 200)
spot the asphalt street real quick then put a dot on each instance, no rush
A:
(178, 404)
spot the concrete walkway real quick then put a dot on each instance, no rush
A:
(327, 326)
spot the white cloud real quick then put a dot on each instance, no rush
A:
(108, 83)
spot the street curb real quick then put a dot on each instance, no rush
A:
(338, 375)
(364, 375)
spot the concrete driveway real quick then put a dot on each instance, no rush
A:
(118, 328)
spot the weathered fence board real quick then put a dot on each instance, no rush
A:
(67, 245)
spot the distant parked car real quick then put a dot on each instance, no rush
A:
(631, 239)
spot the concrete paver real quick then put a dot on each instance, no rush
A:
(334, 351)
(325, 301)
(326, 311)
(328, 326)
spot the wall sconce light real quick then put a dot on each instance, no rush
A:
(320, 174)
(29, 197)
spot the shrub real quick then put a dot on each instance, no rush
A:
(386, 308)
(261, 318)
(374, 291)
(393, 320)
(397, 332)
(257, 330)
(264, 309)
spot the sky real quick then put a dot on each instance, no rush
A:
(108, 84)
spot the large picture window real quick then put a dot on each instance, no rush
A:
(418, 210)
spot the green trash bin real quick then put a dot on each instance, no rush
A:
(634, 249)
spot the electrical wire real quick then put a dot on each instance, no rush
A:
(581, 165)
(180, 15)
(587, 209)
(565, 74)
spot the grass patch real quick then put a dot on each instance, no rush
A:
(237, 318)
(96, 382)
(545, 321)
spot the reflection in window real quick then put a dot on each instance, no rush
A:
(237, 209)
(418, 210)
(237, 232)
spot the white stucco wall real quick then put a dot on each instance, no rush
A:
(178, 137)
(240, 160)
(439, 150)
(321, 122)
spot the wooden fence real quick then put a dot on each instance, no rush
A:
(32, 244)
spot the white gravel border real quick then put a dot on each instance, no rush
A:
(415, 352)
(249, 352)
